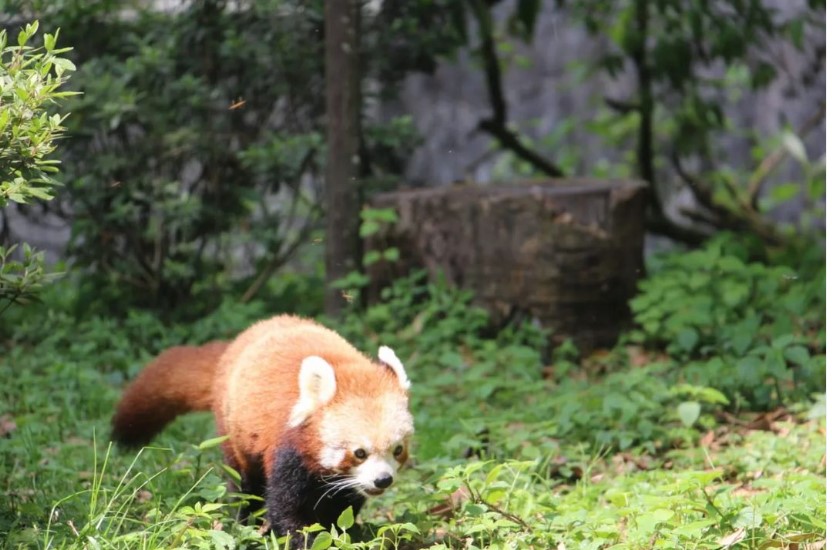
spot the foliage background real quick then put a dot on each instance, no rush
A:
(191, 186)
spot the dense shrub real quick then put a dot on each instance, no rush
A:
(30, 78)
(196, 148)
(753, 329)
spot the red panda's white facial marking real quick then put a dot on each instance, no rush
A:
(363, 429)
(366, 439)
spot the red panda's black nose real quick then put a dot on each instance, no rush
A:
(384, 481)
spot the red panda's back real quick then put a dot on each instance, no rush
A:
(257, 385)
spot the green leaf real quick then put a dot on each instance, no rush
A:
(617, 498)
(369, 227)
(687, 339)
(747, 518)
(689, 412)
(749, 369)
(798, 355)
(744, 333)
(346, 519)
(794, 146)
(213, 442)
(784, 192)
(222, 540)
(49, 42)
(796, 32)
(493, 474)
(391, 254)
(63, 65)
(232, 473)
(323, 540)
(372, 257)
(22, 38)
(782, 341)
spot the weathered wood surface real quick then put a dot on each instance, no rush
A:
(565, 252)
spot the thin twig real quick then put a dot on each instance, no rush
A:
(724, 217)
(508, 515)
(774, 158)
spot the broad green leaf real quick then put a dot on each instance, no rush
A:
(346, 519)
(749, 369)
(748, 518)
(797, 354)
(687, 339)
(391, 254)
(223, 540)
(323, 540)
(689, 412)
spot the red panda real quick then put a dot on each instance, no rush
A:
(314, 425)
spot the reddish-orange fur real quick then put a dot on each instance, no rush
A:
(179, 380)
(251, 385)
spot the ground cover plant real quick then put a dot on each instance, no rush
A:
(637, 447)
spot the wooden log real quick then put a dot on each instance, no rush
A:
(565, 252)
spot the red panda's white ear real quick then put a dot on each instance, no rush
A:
(389, 358)
(317, 386)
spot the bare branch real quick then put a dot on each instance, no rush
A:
(773, 159)
(722, 217)
(497, 125)
(621, 106)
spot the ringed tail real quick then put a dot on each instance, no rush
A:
(178, 381)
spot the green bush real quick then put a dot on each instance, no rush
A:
(30, 78)
(754, 330)
(197, 148)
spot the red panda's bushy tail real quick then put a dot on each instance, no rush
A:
(179, 380)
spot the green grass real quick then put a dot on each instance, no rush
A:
(598, 456)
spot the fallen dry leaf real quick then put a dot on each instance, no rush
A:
(7, 425)
(707, 439)
(730, 540)
(765, 421)
(745, 491)
(453, 502)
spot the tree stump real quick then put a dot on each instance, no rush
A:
(565, 252)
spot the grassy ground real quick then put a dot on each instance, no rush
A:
(603, 454)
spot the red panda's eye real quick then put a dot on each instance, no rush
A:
(360, 454)
(398, 450)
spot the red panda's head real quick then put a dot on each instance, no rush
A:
(357, 420)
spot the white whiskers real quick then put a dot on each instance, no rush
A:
(336, 486)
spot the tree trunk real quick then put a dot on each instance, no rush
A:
(342, 199)
(567, 253)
